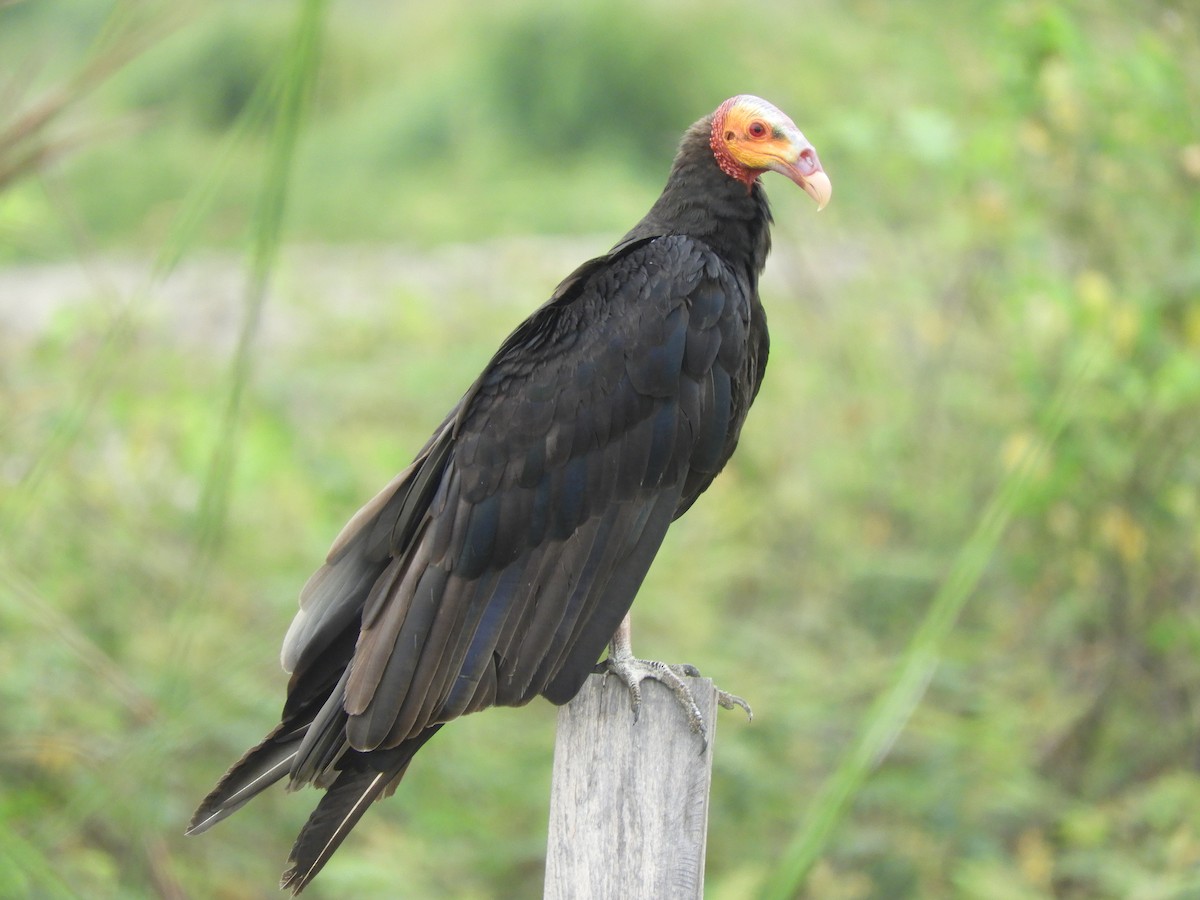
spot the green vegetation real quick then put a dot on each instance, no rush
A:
(955, 565)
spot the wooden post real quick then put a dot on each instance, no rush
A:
(629, 800)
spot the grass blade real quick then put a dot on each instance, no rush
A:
(892, 711)
(27, 871)
(296, 86)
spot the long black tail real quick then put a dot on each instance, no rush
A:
(260, 768)
(366, 777)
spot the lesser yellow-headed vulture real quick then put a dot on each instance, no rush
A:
(498, 565)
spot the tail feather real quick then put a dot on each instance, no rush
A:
(343, 805)
(338, 812)
(260, 768)
(323, 743)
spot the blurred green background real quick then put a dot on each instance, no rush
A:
(1003, 296)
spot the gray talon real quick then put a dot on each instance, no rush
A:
(729, 701)
(632, 671)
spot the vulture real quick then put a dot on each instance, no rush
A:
(503, 560)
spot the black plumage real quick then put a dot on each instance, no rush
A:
(497, 566)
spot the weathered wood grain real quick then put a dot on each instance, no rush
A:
(629, 800)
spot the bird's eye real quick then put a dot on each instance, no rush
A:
(757, 129)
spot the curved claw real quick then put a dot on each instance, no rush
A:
(729, 701)
(633, 672)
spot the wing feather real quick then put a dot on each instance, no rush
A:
(519, 539)
(401, 655)
(381, 629)
(579, 654)
(498, 565)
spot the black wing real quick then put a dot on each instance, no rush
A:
(499, 564)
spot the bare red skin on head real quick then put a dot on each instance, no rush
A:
(720, 148)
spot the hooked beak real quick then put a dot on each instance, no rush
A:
(818, 186)
(806, 171)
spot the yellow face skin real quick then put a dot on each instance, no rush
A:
(750, 137)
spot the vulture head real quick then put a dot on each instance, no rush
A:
(750, 137)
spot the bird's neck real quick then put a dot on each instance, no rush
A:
(703, 202)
